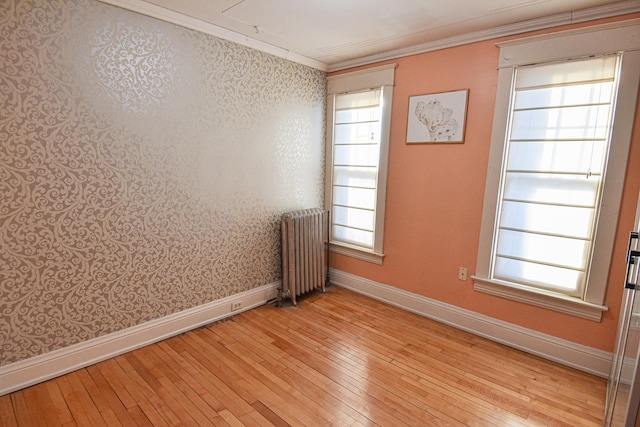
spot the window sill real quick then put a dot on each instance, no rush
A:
(540, 298)
(355, 252)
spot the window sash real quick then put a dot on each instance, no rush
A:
(356, 157)
(556, 146)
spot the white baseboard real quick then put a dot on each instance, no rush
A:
(40, 368)
(584, 358)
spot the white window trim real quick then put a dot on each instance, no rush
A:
(382, 76)
(595, 40)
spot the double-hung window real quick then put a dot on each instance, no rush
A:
(561, 135)
(557, 140)
(358, 113)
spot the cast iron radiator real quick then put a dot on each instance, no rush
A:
(304, 252)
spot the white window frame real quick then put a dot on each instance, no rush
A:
(618, 37)
(375, 77)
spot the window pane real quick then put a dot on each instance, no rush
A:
(356, 155)
(370, 98)
(568, 72)
(576, 190)
(591, 93)
(557, 156)
(353, 217)
(543, 249)
(354, 197)
(587, 122)
(357, 133)
(560, 220)
(358, 115)
(355, 177)
(546, 276)
(353, 236)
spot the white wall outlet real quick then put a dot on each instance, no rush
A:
(462, 273)
(236, 305)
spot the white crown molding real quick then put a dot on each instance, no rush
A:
(25, 373)
(578, 356)
(628, 35)
(168, 15)
(607, 11)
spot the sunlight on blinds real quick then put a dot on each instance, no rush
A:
(356, 150)
(557, 145)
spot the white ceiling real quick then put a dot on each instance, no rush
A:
(334, 34)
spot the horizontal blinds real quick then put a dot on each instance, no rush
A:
(356, 153)
(557, 146)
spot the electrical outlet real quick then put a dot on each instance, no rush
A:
(237, 305)
(462, 273)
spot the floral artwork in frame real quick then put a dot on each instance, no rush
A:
(438, 117)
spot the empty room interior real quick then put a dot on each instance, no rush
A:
(247, 212)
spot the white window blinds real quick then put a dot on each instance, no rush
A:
(556, 149)
(356, 153)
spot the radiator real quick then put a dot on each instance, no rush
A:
(304, 257)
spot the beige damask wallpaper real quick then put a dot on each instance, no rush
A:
(143, 169)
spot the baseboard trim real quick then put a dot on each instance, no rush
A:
(578, 356)
(25, 373)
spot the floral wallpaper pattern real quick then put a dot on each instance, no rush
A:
(143, 169)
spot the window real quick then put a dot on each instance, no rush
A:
(358, 113)
(559, 148)
(557, 139)
(356, 154)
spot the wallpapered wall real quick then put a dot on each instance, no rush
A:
(143, 169)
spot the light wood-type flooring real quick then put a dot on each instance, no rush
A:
(338, 358)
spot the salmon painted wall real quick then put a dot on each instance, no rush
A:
(435, 195)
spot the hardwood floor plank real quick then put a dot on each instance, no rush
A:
(111, 419)
(181, 379)
(492, 366)
(152, 414)
(22, 409)
(117, 380)
(268, 414)
(400, 389)
(84, 398)
(224, 395)
(235, 340)
(40, 406)
(73, 403)
(147, 399)
(346, 392)
(59, 404)
(164, 388)
(337, 358)
(139, 418)
(215, 375)
(103, 396)
(268, 384)
(7, 412)
(356, 376)
(231, 419)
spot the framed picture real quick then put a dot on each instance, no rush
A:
(437, 117)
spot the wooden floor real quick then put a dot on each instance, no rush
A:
(336, 359)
